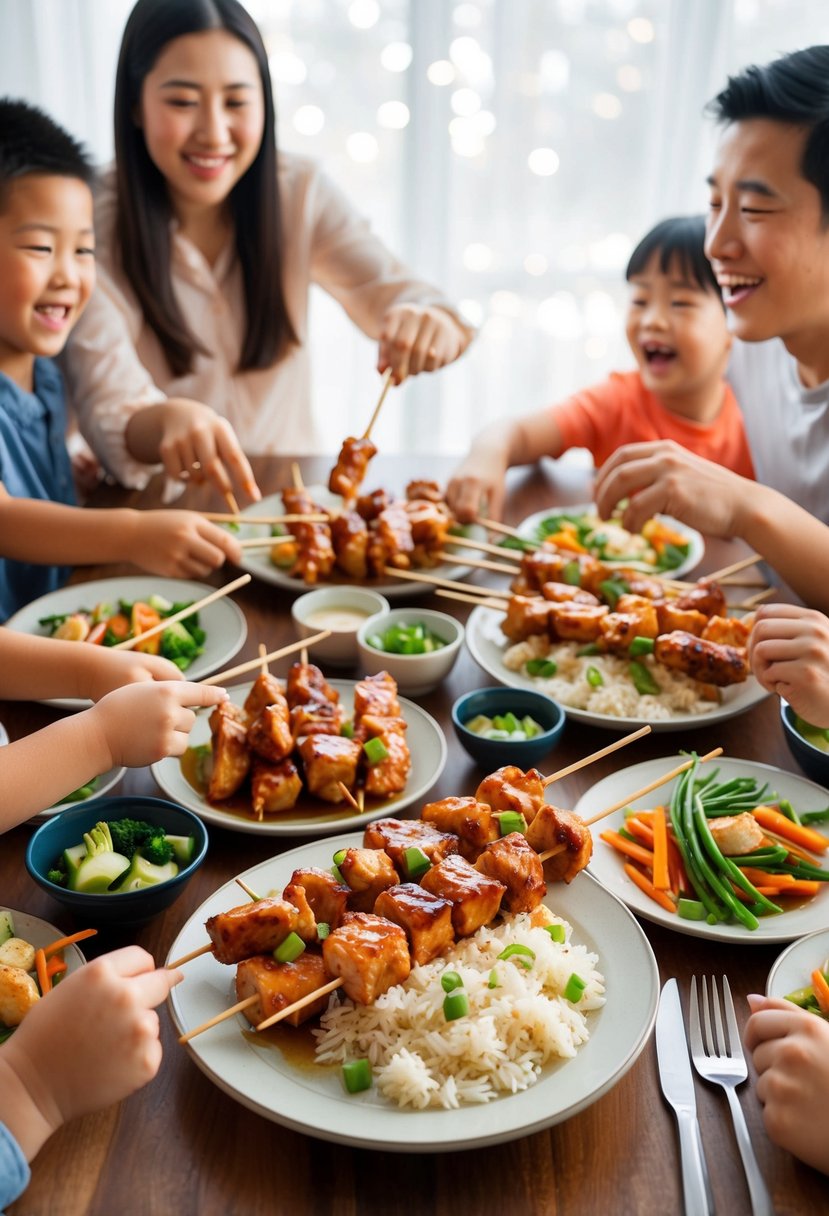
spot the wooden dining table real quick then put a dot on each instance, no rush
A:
(183, 1146)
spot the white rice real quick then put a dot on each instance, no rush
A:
(617, 696)
(420, 1060)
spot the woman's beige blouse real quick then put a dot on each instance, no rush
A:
(114, 364)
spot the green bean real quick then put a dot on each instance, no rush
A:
(727, 867)
(692, 870)
(720, 889)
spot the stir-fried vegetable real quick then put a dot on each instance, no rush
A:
(121, 855)
(505, 726)
(407, 639)
(107, 625)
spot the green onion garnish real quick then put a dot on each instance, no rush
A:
(416, 862)
(290, 949)
(493, 979)
(640, 646)
(575, 987)
(357, 1076)
(375, 750)
(594, 677)
(546, 668)
(556, 932)
(512, 821)
(522, 954)
(455, 1005)
(322, 930)
(339, 857)
(450, 980)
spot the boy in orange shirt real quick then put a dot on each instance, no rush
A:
(676, 328)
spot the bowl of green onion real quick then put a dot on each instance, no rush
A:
(417, 646)
(499, 726)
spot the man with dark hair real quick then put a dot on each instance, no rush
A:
(768, 241)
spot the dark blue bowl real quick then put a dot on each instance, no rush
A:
(811, 759)
(494, 753)
(133, 907)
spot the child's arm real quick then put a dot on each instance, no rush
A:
(136, 725)
(89, 1043)
(192, 440)
(176, 544)
(789, 654)
(477, 484)
(791, 1055)
(37, 668)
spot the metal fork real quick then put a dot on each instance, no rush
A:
(721, 1060)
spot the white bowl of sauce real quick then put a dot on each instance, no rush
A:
(343, 610)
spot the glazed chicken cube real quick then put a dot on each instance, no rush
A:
(689, 620)
(391, 541)
(709, 662)
(274, 787)
(369, 954)
(423, 489)
(269, 734)
(349, 472)
(389, 775)
(540, 567)
(426, 919)
(370, 505)
(266, 690)
(319, 717)
(329, 760)
(729, 630)
(376, 695)
(577, 622)
(473, 822)
(511, 789)
(367, 872)
(256, 927)
(306, 922)
(708, 598)
(231, 757)
(561, 593)
(278, 985)
(639, 583)
(430, 523)
(326, 897)
(306, 683)
(643, 609)
(397, 835)
(526, 616)
(474, 897)
(349, 535)
(515, 863)
(553, 827)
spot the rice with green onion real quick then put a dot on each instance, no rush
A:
(420, 1060)
(617, 694)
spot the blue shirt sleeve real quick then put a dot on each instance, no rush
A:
(14, 1168)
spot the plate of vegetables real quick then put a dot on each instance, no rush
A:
(109, 610)
(664, 546)
(731, 850)
(792, 977)
(34, 956)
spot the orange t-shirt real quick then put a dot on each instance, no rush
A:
(621, 410)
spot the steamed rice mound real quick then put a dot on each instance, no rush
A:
(420, 1060)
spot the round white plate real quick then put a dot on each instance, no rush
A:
(426, 741)
(696, 545)
(792, 969)
(607, 865)
(40, 933)
(487, 645)
(223, 621)
(259, 564)
(316, 1103)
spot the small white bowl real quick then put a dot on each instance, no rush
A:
(414, 673)
(342, 610)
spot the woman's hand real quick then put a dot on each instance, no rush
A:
(418, 338)
(789, 654)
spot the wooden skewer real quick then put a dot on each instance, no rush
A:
(271, 658)
(494, 525)
(218, 518)
(300, 1004)
(303, 658)
(296, 476)
(247, 890)
(604, 751)
(220, 1017)
(754, 600)
(231, 502)
(481, 601)
(734, 568)
(378, 406)
(479, 563)
(434, 581)
(265, 542)
(483, 546)
(361, 800)
(129, 643)
(630, 798)
(349, 797)
(263, 663)
(741, 582)
(186, 958)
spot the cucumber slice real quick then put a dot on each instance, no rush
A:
(6, 927)
(143, 873)
(184, 848)
(160, 604)
(72, 858)
(97, 874)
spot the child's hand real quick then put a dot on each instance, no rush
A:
(791, 1055)
(415, 338)
(105, 669)
(198, 445)
(145, 722)
(94, 1039)
(789, 654)
(478, 485)
(179, 544)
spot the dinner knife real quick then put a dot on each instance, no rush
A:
(677, 1083)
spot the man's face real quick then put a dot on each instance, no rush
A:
(766, 236)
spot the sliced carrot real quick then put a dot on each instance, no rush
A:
(661, 879)
(821, 989)
(772, 838)
(756, 876)
(55, 966)
(143, 618)
(119, 626)
(645, 884)
(565, 540)
(807, 838)
(62, 942)
(43, 978)
(802, 886)
(642, 832)
(629, 848)
(676, 868)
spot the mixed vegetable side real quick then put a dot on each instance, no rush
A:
(121, 855)
(27, 973)
(657, 545)
(723, 851)
(815, 997)
(106, 625)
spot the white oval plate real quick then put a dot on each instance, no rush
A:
(606, 863)
(40, 933)
(223, 621)
(792, 969)
(105, 783)
(316, 1104)
(696, 544)
(427, 744)
(260, 565)
(487, 645)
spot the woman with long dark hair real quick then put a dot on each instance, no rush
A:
(208, 241)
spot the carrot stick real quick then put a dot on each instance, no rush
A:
(756, 876)
(644, 884)
(642, 831)
(821, 989)
(55, 966)
(660, 852)
(676, 867)
(807, 838)
(43, 978)
(643, 856)
(772, 838)
(803, 886)
(62, 942)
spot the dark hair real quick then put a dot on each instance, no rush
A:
(144, 210)
(30, 142)
(793, 89)
(683, 238)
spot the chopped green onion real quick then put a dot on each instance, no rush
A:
(643, 681)
(691, 909)
(546, 668)
(556, 932)
(455, 1005)
(450, 980)
(594, 677)
(416, 862)
(512, 821)
(531, 727)
(290, 949)
(571, 574)
(590, 649)
(641, 645)
(612, 588)
(415, 638)
(493, 979)
(323, 930)
(357, 1075)
(347, 729)
(339, 857)
(337, 872)
(522, 954)
(575, 987)
(375, 750)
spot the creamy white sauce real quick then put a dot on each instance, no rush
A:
(338, 620)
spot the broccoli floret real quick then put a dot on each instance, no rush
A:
(157, 850)
(179, 645)
(129, 834)
(58, 877)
